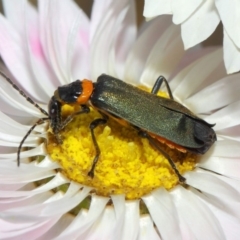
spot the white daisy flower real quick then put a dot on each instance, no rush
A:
(135, 193)
(199, 20)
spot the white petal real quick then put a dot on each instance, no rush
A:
(13, 50)
(52, 208)
(229, 12)
(16, 99)
(11, 226)
(48, 163)
(190, 60)
(37, 60)
(232, 133)
(213, 184)
(23, 176)
(20, 114)
(222, 191)
(31, 232)
(8, 123)
(62, 205)
(226, 117)
(58, 228)
(74, 188)
(18, 130)
(195, 216)
(119, 208)
(25, 21)
(12, 203)
(58, 180)
(147, 230)
(16, 144)
(39, 150)
(188, 81)
(78, 50)
(217, 95)
(234, 183)
(131, 220)
(12, 132)
(142, 47)
(123, 42)
(164, 56)
(11, 187)
(182, 9)
(7, 149)
(102, 228)
(56, 196)
(25, 201)
(226, 166)
(12, 140)
(200, 25)
(20, 217)
(153, 8)
(229, 223)
(85, 219)
(224, 148)
(98, 12)
(55, 32)
(162, 210)
(104, 39)
(7, 133)
(14, 12)
(231, 54)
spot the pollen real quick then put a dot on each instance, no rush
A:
(128, 164)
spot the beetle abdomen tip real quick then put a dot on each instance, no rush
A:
(205, 134)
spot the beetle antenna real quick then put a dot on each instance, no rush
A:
(23, 94)
(40, 121)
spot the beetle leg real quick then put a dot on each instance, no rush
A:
(40, 121)
(158, 84)
(54, 109)
(92, 126)
(58, 125)
(155, 144)
(84, 109)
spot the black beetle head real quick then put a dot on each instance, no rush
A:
(69, 93)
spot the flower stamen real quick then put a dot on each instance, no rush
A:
(128, 164)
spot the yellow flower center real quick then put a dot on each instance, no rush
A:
(128, 164)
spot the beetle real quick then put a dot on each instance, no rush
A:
(156, 118)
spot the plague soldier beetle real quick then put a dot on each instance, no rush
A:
(156, 118)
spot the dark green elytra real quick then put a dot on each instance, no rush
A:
(157, 115)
